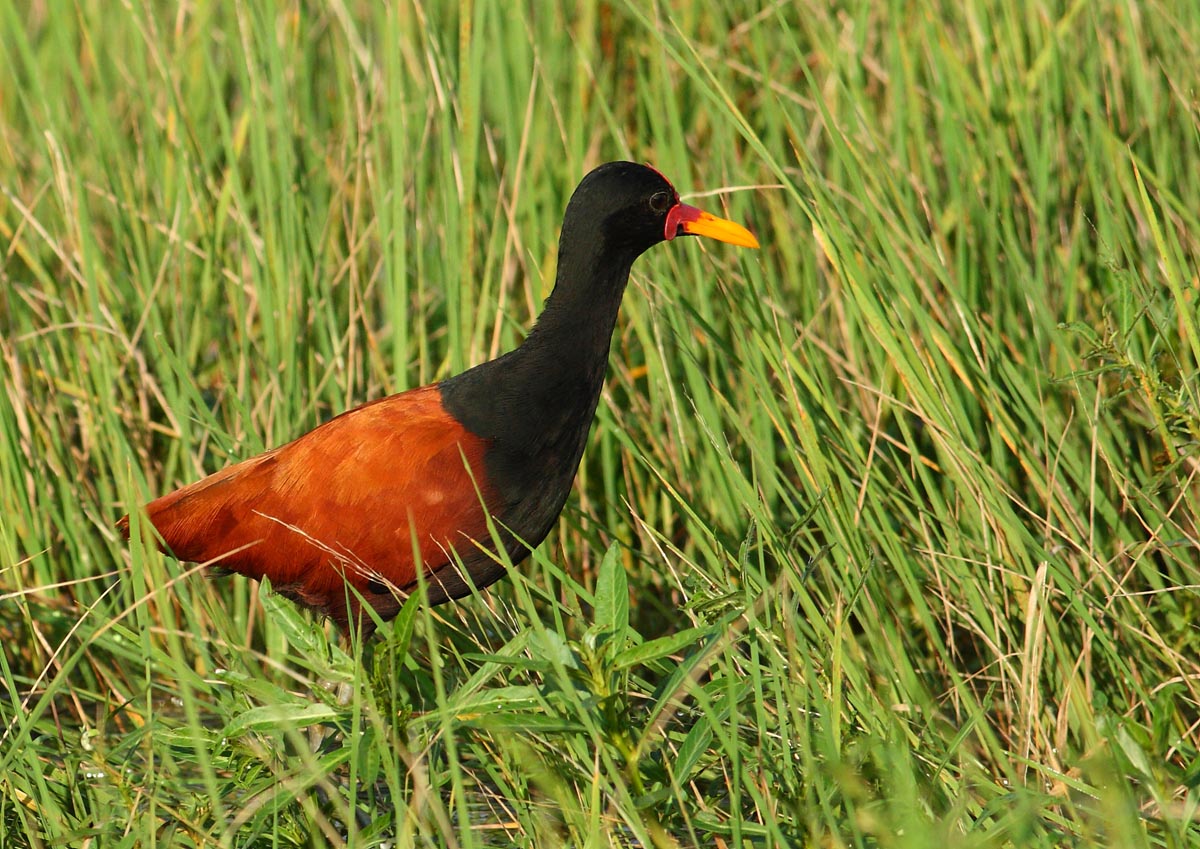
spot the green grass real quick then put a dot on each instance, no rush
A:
(886, 534)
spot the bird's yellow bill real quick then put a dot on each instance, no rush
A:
(696, 222)
(720, 229)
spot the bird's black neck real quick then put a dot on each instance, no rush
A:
(535, 404)
(571, 340)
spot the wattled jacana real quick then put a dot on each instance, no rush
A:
(400, 483)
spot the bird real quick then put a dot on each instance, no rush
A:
(437, 480)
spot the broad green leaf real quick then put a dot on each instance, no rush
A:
(272, 717)
(612, 596)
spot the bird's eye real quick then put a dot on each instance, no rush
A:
(659, 201)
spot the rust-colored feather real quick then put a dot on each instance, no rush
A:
(348, 502)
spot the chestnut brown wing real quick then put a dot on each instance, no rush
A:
(352, 501)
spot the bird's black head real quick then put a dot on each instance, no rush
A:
(633, 207)
(624, 203)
